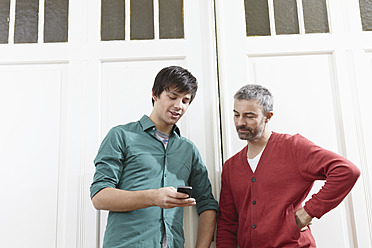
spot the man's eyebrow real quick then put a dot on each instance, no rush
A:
(245, 113)
(173, 93)
(177, 94)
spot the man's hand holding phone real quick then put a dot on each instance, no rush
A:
(169, 197)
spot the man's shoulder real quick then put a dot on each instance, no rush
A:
(126, 127)
(289, 142)
(236, 158)
(285, 137)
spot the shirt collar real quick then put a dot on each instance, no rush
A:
(147, 124)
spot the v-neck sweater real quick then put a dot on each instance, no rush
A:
(257, 209)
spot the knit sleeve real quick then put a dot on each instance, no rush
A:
(227, 219)
(316, 163)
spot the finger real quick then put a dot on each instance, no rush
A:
(182, 195)
(187, 202)
(183, 202)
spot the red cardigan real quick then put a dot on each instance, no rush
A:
(257, 209)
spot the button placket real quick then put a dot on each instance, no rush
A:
(165, 170)
(254, 226)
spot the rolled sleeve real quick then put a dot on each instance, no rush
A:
(202, 189)
(108, 163)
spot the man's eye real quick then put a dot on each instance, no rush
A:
(173, 98)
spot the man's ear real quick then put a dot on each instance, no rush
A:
(154, 97)
(268, 116)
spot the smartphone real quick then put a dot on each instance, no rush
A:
(185, 190)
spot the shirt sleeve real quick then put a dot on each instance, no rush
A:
(108, 162)
(227, 219)
(316, 163)
(201, 186)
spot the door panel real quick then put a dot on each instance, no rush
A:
(126, 90)
(30, 99)
(303, 87)
(126, 96)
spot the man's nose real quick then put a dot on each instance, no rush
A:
(178, 104)
(241, 121)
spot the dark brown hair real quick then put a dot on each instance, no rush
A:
(175, 76)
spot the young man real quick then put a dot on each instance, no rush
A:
(264, 185)
(139, 166)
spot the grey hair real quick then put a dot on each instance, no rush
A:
(256, 92)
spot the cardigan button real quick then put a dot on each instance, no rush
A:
(253, 179)
(254, 226)
(254, 202)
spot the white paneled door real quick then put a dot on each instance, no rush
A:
(319, 71)
(59, 99)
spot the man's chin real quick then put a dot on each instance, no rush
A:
(247, 137)
(173, 121)
(243, 137)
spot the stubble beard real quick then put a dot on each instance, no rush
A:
(253, 134)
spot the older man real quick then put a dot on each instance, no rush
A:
(265, 184)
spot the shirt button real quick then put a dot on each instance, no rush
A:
(253, 179)
(254, 202)
(254, 226)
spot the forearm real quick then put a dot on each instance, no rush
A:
(339, 182)
(206, 228)
(118, 200)
(316, 163)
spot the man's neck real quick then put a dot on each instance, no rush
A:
(256, 146)
(162, 127)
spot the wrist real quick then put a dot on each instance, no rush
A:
(302, 218)
(150, 196)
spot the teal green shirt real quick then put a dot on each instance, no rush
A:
(132, 158)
